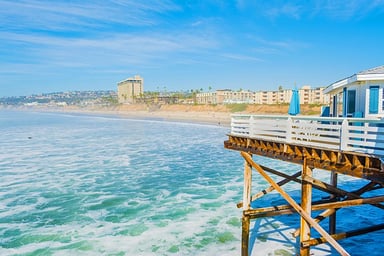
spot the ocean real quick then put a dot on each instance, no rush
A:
(73, 184)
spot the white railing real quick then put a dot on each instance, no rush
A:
(344, 134)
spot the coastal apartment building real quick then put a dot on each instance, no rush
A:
(306, 93)
(313, 96)
(129, 89)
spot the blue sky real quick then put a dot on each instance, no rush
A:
(51, 46)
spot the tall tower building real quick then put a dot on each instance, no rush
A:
(129, 89)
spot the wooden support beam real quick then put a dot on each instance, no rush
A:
(321, 240)
(306, 203)
(349, 195)
(340, 192)
(280, 183)
(318, 218)
(247, 206)
(287, 209)
(247, 186)
(297, 207)
(270, 189)
(332, 217)
(245, 235)
(368, 187)
(347, 203)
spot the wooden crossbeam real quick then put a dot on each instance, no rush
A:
(316, 184)
(296, 206)
(325, 214)
(339, 192)
(321, 240)
(255, 213)
(368, 187)
(270, 188)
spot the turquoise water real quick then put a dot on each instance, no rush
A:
(93, 185)
(73, 184)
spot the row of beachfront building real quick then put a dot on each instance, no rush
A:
(307, 95)
(130, 90)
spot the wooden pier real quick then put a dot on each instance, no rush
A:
(341, 146)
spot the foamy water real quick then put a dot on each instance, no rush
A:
(86, 185)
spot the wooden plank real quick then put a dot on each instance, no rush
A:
(269, 125)
(363, 136)
(297, 207)
(335, 133)
(373, 144)
(328, 146)
(269, 133)
(325, 141)
(269, 138)
(370, 129)
(329, 127)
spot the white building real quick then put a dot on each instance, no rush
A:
(129, 89)
(360, 95)
(307, 96)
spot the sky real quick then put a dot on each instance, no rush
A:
(57, 46)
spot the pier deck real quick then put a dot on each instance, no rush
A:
(342, 146)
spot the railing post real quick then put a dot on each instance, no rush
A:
(344, 135)
(232, 123)
(251, 132)
(288, 136)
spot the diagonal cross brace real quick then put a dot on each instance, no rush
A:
(296, 206)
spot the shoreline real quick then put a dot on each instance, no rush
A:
(138, 113)
(219, 115)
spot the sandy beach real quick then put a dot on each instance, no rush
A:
(209, 114)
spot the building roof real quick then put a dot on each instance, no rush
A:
(376, 70)
(376, 73)
(135, 79)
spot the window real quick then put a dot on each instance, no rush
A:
(351, 101)
(382, 100)
(374, 100)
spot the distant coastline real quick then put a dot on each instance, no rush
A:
(210, 114)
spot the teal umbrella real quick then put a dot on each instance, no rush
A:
(294, 106)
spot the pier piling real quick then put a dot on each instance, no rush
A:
(358, 165)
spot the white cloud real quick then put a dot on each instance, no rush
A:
(79, 15)
(298, 9)
(113, 49)
(241, 57)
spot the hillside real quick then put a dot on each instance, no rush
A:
(235, 108)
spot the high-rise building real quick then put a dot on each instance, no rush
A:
(130, 89)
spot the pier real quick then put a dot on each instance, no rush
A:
(340, 146)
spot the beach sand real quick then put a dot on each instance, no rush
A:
(209, 114)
